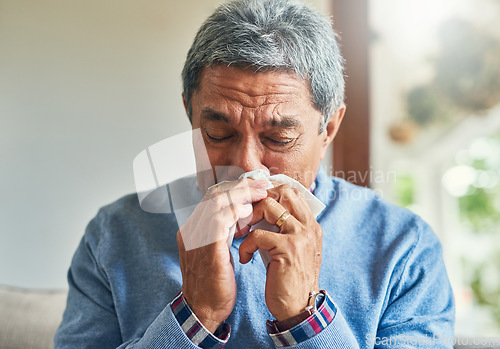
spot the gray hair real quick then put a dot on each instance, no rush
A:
(271, 35)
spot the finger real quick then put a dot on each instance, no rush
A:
(292, 200)
(212, 226)
(219, 225)
(238, 196)
(242, 229)
(242, 183)
(230, 215)
(243, 225)
(270, 210)
(255, 240)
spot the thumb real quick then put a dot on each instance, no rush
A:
(255, 240)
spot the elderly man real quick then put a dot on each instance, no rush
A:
(263, 84)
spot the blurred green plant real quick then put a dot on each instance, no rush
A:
(485, 285)
(479, 210)
(480, 206)
(405, 190)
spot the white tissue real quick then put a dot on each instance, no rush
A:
(314, 203)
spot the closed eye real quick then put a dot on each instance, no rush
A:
(218, 139)
(281, 142)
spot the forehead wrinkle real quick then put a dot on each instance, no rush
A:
(247, 100)
(246, 90)
(265, 114)
(255, 100)
(283, 120)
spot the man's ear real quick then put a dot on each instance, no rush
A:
(185, 103)
(186, 108)
(331, 129)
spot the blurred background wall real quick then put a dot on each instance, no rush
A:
(84, 87)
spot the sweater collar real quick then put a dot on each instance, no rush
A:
(324, 187)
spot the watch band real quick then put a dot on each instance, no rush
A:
(314, 300)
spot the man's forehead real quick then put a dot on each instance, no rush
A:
(270, 120)
(259, 87)
(279, 99)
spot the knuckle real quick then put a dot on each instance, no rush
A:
(310, 221)
(318, 230)
(286, 260)
(217, 220)
(281, 260)
(286, 187)
(298, 244)
(274, 203)
(268, 201)
(273, 193)
(286, 197)
(256, 233)
(283, 188)
(297, 192)
(217, 203)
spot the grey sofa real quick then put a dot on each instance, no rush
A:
(29, 318)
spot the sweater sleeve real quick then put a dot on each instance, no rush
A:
(90, 319)
(194, 329)
(326, 328)
(420, 311)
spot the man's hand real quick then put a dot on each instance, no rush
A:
(209, 286)
(295, 252)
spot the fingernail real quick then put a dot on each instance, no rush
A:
(260, 183)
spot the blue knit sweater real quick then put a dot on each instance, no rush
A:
(382, 266)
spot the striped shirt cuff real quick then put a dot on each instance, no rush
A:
(194, 329)
(308, 328)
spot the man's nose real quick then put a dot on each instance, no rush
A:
(248, 157)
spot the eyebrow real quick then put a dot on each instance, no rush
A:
(210, 114)
(284, 122)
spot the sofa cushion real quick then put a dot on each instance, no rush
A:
(29, 318)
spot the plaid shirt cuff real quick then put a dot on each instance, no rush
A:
(308, 328)
(194, 329)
